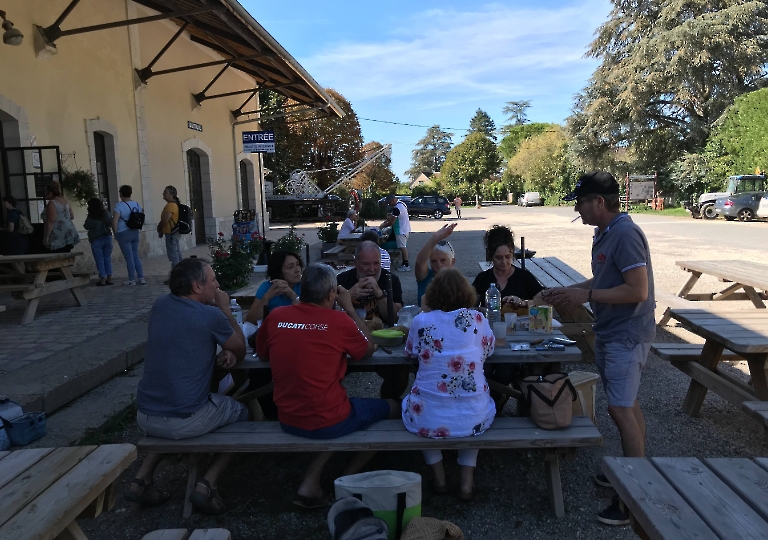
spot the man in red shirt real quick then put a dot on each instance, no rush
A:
(307, 346)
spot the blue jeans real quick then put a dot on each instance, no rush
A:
(129, 245)
(101, 248)
(172, 248)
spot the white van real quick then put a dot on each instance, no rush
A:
(531, 198)
(762, 210)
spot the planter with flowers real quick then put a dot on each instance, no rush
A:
(232, 260)
(80, 185)
(291, 242)
(328, 235)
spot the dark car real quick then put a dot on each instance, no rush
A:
(405, 199)
(429, 205)
(741, 206)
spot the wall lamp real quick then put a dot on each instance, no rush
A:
(11, 36)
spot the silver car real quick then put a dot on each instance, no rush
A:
(741, 206)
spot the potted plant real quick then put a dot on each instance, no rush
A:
(291, 242)
(328, 235)
(232, 260)
(80, 184)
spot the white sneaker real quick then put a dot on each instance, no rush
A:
(129, 283)
(404, 268)
(142, 282)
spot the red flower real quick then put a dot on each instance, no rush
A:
(456, 364)
(472, 366)
(221, 233)
(484, 342)
(442, 387)
(416, 408)
(424, 432)
(415, 390)
(426, 356)
(438, 345)
(479, 317)
(442, 432)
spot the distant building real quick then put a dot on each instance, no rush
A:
(419, 181)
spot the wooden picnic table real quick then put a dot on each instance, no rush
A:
(743, 332)
(44, 490)
(686, 498)
(749, 277)
(26, 276)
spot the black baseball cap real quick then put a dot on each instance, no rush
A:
(594, 183)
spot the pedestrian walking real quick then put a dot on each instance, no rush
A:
(168, 225)
(60, 233)
(99, 227)
(127, 237)
(457, 204)
(621, 295)
(401, 228)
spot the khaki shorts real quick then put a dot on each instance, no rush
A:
(401, 240)
(218, 411)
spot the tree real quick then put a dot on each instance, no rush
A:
(688, 176)
(430, 154)
(518, 133)
(482, 123)
(516, 113)
(470, 163)
(668, 71)
(543, 164)
(377, 176)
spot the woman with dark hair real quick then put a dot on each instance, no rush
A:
(19, 245)
(450, 396)
(283, 287)
(127, 238)
(60, 233)
(99, 227)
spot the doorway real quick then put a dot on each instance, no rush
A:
(102, 174)
(195, 175)
(245, 190)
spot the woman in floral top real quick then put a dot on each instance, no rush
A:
(450, 397)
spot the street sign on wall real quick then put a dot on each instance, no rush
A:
(259, 142)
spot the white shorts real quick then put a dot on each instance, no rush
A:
(401, 240)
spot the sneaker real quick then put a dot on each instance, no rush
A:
(142, 281)
(404, 268)
(615, 514)
(129, 283)
(602, 480)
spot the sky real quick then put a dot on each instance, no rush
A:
(432, 62)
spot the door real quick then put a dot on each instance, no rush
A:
(196, 195)
(245, 189)
(102, 177)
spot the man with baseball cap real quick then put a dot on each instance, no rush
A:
(437, 254)
(622, 299)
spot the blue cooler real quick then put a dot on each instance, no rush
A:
(26, 428)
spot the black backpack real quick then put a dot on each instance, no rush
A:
(135, 218)
(183, 226)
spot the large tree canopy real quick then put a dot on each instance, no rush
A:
(482, 123)
(429, 155)
(516, 112)
(516, 134)
(377, 176)
(470, 163)
(668, 71)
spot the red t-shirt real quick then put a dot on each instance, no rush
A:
(306, 346)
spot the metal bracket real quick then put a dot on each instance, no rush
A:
(146, 73)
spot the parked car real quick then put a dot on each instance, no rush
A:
(404, 198)
(429, 205)
(741, 206)
(531, 198)
(762, 209)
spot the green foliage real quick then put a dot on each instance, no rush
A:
(328, 232)
(370, 209)
(482, 123)
(516, 113)
(495, 191)
(688, 176)
(469, 164)
(377, 176)
(739, 141)
(430, 152)
(290, 242)
(80, 184)
(543, 164)
(518, 133)
(232, 260)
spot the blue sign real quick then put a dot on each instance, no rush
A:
(255, 142)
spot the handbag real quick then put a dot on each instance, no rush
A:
(394, 496)
(548, 401)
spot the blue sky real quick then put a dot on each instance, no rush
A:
(428, 62)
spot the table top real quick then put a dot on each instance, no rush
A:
(745, 272)
(43, 490)
(739, 331)
(685, 498)
(37, 257)
(549, 271)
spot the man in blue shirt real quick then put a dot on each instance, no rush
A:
(621, 295)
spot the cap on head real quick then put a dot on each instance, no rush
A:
(594, 183)
(446, 247)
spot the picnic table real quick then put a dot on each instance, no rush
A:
(26, 276)
(743, 332)
(44, 490)
(749, 277)
(687, 498)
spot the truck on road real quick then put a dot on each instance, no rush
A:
(740, 183)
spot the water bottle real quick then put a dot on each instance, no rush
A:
(237, 311)
(493, 303)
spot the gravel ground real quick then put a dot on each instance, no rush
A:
(511, 499)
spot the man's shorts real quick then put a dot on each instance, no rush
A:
(401, 240)
(218, 411)
(363, 412)
(620, 363)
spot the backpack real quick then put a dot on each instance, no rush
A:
(185, 219)
(135, 218)
(25, 227)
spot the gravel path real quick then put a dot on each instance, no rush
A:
(511, 500)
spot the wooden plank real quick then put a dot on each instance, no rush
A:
(59, 505)
(746, 479)
(194, 472)
(56, 286)
(167, 534)
(3, 454)
(697, 390)
(75, 291)
(724, 511)
(763, 462)
(749, 273)
(18, 462)
(730, 392)
(72, 532)
(657, 507)
(757, 410)
(554, 485)
(575, 275)
(685, 289)
(38, 478)
(686, 352)
(563, 279)
(211, 534)
(17, 288)
(758, 369)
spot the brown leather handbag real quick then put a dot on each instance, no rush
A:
(549, 399)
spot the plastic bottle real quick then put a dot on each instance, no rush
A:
(237, 311)
(493, 303)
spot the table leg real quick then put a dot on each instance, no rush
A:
(72, 532)
(194, 471)
(710, 356)
(29, 311)
(76, 292)
(689, 284)
(554, 485)
(758, 369)
(753, 295)
(728, 291)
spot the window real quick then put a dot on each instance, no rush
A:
(102, 176)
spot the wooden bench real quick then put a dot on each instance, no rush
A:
(757, 409)
(184, 534)
(685, 352)
(505, 433)
(683, 497)
(335, 250)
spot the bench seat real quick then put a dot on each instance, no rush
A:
(758, 410)
(184, 534)
(505, 433)
(683, 352)
(335, 250)
(670, 300)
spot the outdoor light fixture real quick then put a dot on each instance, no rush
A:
(11, 36)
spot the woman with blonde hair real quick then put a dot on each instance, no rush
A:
(60, 233)
(450, 397)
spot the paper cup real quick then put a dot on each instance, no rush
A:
(500, 332)
(510, 319)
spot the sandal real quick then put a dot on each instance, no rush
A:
(208, 504)
(312, 503)
(147, 496)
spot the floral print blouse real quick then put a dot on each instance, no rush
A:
(450, 397)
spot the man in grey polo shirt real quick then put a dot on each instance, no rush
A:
(622, 299)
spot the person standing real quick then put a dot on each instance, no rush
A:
(19, 245)
(168, 226)
(401, 228)
(621, 293)
(457, 204)
(127, 238)
(60, 233)
(99, 227)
